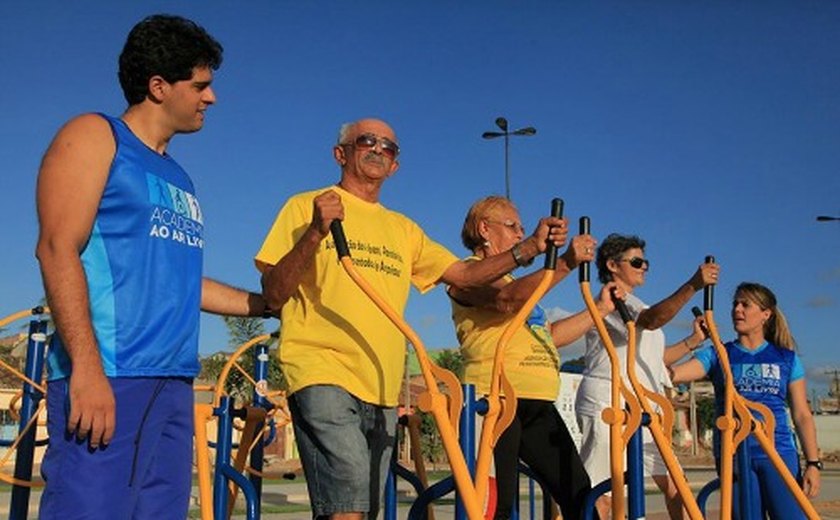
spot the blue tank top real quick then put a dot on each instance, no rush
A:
(761, 375)
(143, 267)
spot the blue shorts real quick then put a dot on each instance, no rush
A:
(345, 448)
(146, 470)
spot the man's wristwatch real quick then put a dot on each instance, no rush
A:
(516, 251)
(816, 463)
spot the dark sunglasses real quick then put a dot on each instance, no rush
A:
(637, 263)
(388, 147)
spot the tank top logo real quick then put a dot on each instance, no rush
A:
(758, 378)
(176, 215)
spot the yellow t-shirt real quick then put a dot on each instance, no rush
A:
(531, 363)
(331, 332)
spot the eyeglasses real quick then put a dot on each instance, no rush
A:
(510, 224)
(637, 263)
(388, 147)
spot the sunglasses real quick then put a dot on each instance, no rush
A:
(637, 263)
(388, 147)
(510, 224)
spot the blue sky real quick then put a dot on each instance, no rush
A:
(704, 127)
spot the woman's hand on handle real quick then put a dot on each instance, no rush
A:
(707, 274)
(605, 302)
(551, 229)
(581, 249)
(698, 333)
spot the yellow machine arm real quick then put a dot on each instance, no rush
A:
(432, 400)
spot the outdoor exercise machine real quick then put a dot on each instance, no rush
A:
(237, 465)
(257, 416)
(32, 402)
(421, 507)
(500, 412)
(498, 415)
(735, 425)
(622, 423)
(625, 424)
(445, 408)
(257, 421)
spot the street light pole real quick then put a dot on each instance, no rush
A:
(502, 123)
(824, 218)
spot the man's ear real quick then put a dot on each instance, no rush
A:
(395, 165)
(340, 156)
(158, 87)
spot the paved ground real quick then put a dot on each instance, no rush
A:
(828, 504)
(286, 495)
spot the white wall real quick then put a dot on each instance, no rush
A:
(828, 432)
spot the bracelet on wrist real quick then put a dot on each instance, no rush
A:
(518, 257)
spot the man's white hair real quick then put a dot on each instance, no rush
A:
(344, 132)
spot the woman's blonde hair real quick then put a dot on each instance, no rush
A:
(776, 328)
(481, 210)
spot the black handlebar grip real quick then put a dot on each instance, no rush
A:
(621, 307)
(697, 314)
(583, 268)
(709, 290)
(340, 240)
(551, 249)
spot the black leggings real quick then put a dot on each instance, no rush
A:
(540, 438)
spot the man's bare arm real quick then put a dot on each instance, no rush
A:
(281, 280)
(220, 298)
(70, 184)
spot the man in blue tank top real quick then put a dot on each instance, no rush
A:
(120, 250)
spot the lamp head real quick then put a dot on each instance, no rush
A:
(530, 130)
(501, 122)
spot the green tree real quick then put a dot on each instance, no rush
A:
(452, 360)
(237, 385)
(706, 414)
(430, 444)
(241, 330)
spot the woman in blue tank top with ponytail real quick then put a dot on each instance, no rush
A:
(767, 370)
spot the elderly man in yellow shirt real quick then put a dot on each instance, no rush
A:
(342, 357)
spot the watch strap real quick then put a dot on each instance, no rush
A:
(816, 463)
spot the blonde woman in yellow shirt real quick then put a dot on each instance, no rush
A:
(538, 435)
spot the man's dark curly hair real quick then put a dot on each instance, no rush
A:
(612, 248)
(168, 46)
